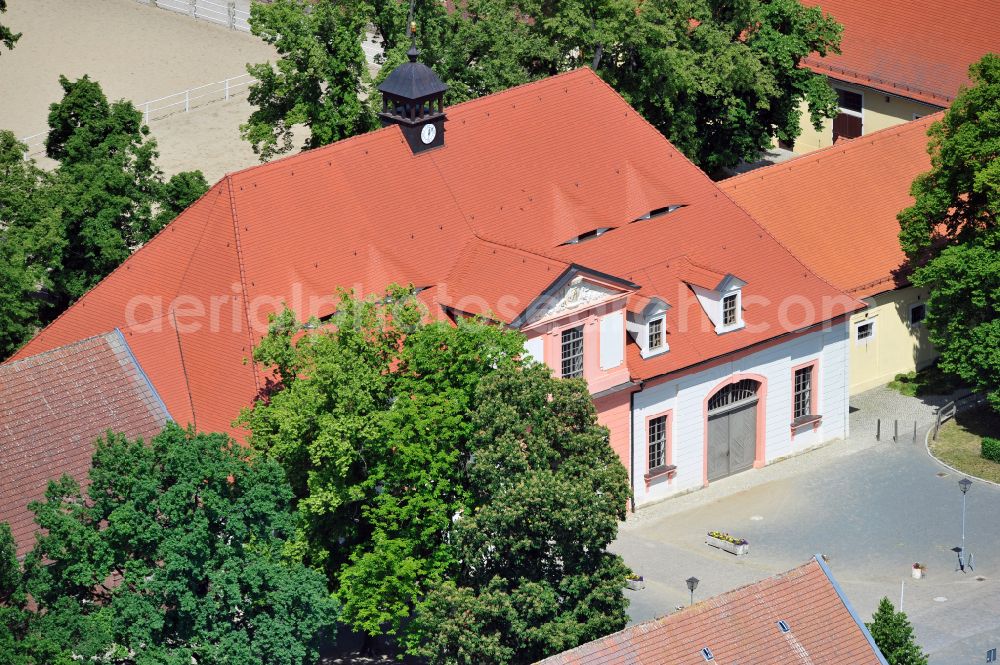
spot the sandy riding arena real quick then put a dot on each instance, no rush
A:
(136, 52)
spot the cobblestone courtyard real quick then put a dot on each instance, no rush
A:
(874, 508)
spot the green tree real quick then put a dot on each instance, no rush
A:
(318, 78)
(7, 37)
(720, 80)
(31, 243)
(893, 635)
(951, 233)
(373, 435)
(548, 491)
(108, 188)
(176, 194)
(174, 555)
(379, 421)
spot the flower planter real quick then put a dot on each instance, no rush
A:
(636, 584)
(725, 545)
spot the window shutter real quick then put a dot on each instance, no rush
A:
(534, 349)
(612, 340)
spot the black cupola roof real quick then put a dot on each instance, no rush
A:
(412, 80)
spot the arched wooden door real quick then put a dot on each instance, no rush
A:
(732, 429)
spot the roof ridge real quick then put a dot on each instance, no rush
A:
(818, 558)
(388, 128)
(848, 145)
(243, 280)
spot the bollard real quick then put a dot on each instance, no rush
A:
(878, 429)
(914, 431)
(895, 431)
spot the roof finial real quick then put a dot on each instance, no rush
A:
(413, 52)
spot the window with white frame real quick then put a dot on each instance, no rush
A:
(802, 396)
(918, 312)
(657, 442)
(655, 334)
(864, 332)
(572, 353)
(729, 310)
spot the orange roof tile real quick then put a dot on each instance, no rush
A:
(742, 626)
(483, 217)
(53, 406)
(919, 49)
(836, 208)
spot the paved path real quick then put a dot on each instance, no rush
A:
(873, 508)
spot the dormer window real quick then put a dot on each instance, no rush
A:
(595, 233)
(719, 294)
(646, 323)
(729, 304)
(655, 334)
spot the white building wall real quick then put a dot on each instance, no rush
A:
(685, 399)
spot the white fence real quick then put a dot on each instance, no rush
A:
(234, 14)
(185, 101)
(179, 102)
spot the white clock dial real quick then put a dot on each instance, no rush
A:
(428, 133)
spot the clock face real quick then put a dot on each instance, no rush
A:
(428, 133)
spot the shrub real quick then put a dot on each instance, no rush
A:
(991, 449)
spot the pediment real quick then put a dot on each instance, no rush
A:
(575, 295)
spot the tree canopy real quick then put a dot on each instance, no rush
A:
(951, 233)
(893, 635)
(720, 80)
(63, 231)
(7, 36)
(534, 573)
(173, 554)
(108, 185)
(319, 78)
(378, 420)
(31, 243)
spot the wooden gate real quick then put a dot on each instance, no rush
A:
(732, 429)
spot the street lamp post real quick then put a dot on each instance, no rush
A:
(964, 484)
(692, 583)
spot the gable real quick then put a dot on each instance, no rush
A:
(577, 290)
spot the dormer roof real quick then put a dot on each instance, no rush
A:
(707, 278)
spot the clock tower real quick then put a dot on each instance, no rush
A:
(413, 98)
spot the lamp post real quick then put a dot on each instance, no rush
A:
(964, 484)
(692, 583)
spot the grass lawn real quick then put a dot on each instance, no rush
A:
(930, 381)
(958, 442)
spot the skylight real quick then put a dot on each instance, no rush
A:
(588, 235)
(783, 626)
(707, 654)
(659, 212)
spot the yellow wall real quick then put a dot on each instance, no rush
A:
(876, 114)
(896, 346)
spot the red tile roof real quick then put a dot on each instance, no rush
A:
(742, 626)
(483, 218)
(836, 208)
(919, 49)
(53, 406)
